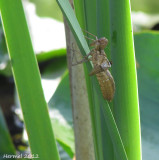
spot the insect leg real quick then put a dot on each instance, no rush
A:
(85, 59)
(89, 38)
(95, 70)
(100, 68)
(82, 61)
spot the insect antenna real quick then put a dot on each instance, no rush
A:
(90, 33)
(89, 38)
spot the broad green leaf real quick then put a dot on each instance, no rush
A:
(61, 115)
(147, 56)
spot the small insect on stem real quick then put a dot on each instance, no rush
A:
(101, 65)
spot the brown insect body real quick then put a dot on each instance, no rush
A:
(103, 75)
(101, 65)
(107, 84)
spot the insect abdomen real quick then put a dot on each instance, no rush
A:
(107, 84)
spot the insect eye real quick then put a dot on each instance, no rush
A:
(111, 62)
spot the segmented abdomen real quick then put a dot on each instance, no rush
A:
(107, 84)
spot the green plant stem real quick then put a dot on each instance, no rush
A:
(83, 15)
(94, 92)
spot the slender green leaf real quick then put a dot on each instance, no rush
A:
(5, 66)
(27, 80)
(126, 105)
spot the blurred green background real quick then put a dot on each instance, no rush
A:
(45, 22)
